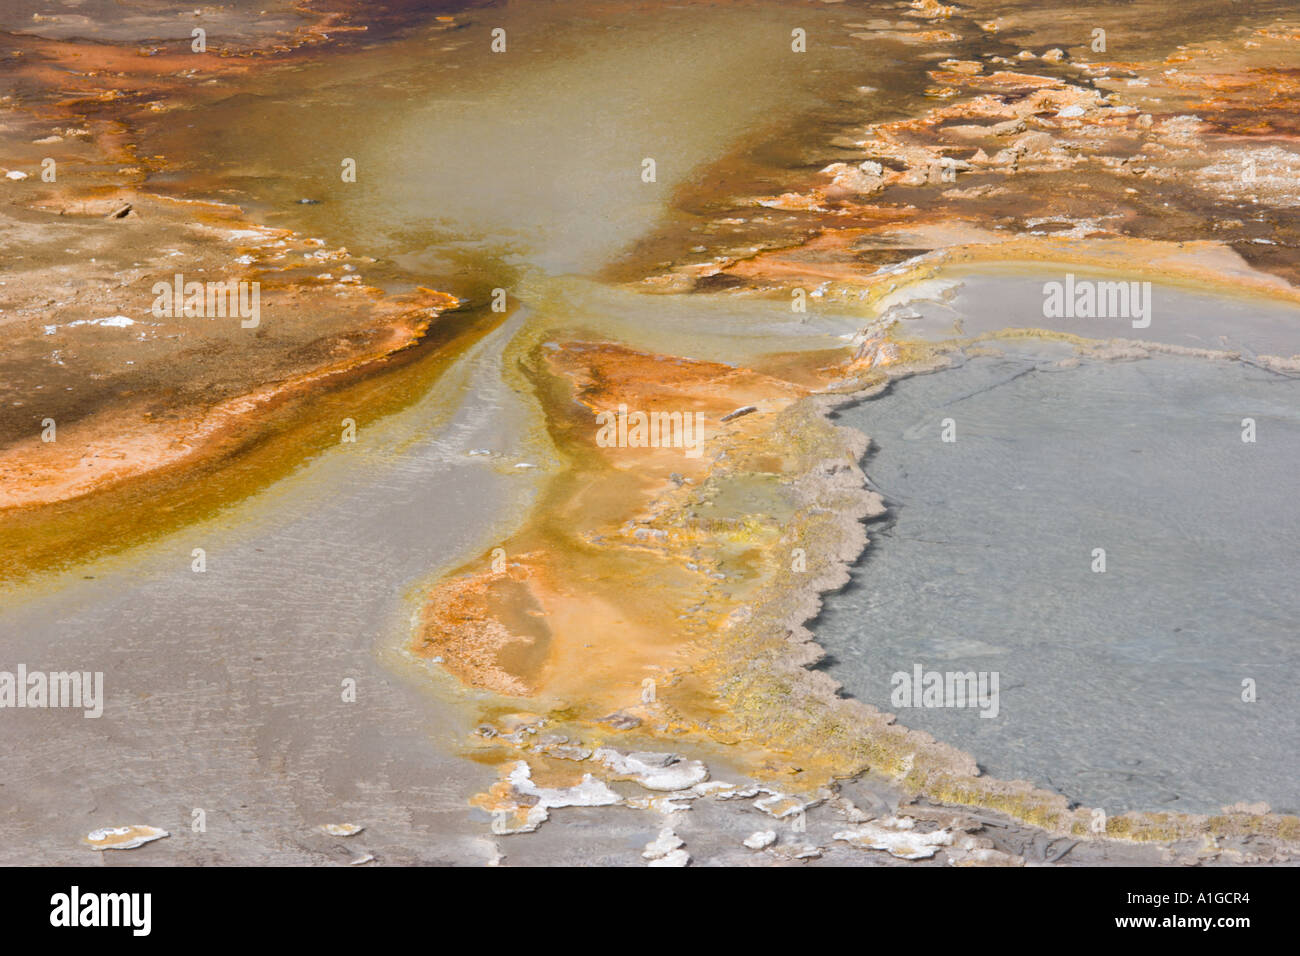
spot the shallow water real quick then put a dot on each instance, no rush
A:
(223, 688)
(1121, 689)
(524, 170)
(530, 157)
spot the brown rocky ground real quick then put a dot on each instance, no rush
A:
(1025, 131)
(86, 231)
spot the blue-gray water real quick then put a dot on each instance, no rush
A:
(1121, 689)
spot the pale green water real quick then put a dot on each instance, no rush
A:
(478, 170)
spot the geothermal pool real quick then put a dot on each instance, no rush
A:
(1123, 688)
